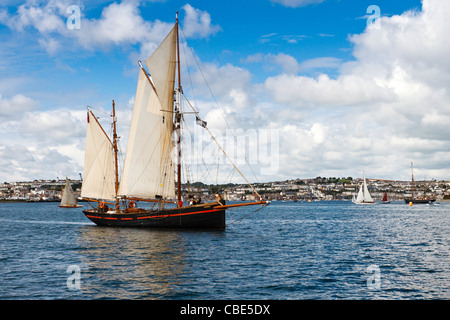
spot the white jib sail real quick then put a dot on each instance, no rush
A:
(360, 197)
(98, 173)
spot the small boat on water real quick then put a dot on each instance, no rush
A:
(363, 196)
(151, 170)
(68, 198)
(385, 198)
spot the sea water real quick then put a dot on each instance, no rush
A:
(286, 251)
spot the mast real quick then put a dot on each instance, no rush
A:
(364, 186)
(412, 182)
(178, 117)
(115, 155)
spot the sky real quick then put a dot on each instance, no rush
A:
(330, 88)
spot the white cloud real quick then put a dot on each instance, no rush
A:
(39, 144)
(297, 3)
(197, 23)
(51, 45)
(119, 24)
(384, 109)
(28, 164)
(51, 142)
(16, 105)
(44, 18)
(281, 62)
(320, 63)
(387, 107)
(229, 83)
(62, 126)
(287, 64)
(323, 91)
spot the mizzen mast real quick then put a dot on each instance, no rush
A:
(177, 123)
(115, 156)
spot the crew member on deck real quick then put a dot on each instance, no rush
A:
(220, 199)
(103, 207)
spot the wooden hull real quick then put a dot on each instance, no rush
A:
(76, 206)
(192, 217)
(408, 200)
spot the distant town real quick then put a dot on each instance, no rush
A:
(315, 189)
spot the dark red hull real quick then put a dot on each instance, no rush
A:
(193, 217)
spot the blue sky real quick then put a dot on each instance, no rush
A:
(244, 28)
(344, 98)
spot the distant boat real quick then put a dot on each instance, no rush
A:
(385, 199)
(68, 199)
(363, 196)
(422, 199)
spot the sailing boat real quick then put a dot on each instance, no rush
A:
(414, 199)
(363, 196)
(385, 198)
(148, 171)
(68, 199)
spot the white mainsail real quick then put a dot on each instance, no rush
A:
(148, 167)
(98, 173)
(68, 198)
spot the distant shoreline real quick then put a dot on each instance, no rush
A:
(18, 200)
(299, 201)
(31, 201)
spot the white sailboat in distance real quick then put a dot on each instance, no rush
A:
(363, 196)
(68, 198)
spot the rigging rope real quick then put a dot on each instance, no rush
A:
(214, 98)
(247, 215)
(203, 123)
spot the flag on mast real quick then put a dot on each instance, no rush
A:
(200, 122)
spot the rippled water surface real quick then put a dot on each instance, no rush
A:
(319, 250)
